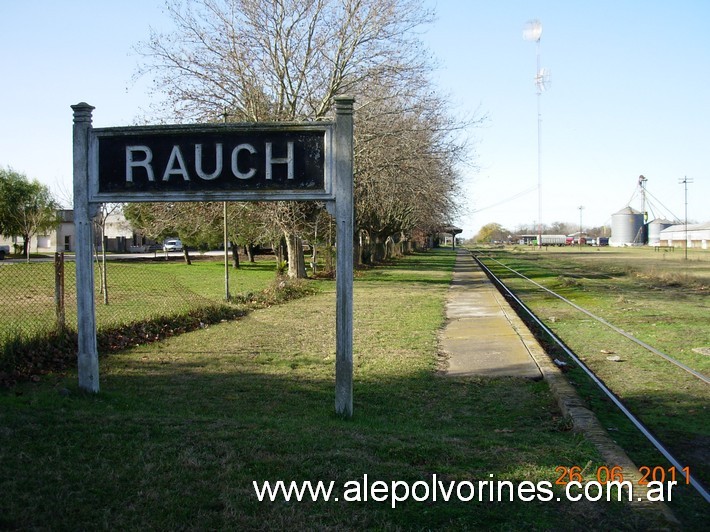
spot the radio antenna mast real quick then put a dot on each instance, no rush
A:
(533, 32)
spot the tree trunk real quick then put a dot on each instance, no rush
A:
(399, 248)
(378, 249)
(357, 251)
(296, 261)
(389, 248)
(235, 255)
(186, 254)
(314, 254)
(314, 259)
(26, 245)
(280, 254)
(282, 250)
(249, 250)
(366, 251)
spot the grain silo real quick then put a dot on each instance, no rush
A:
(627, 228)
(654, 230)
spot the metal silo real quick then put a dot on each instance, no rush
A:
(654, 231)
(627, 228)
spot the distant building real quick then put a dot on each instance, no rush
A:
(654, 231)
(547, 240)
(120, 236)
(698, 236)
(447, 236)
(61, 238)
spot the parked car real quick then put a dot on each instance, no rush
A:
(4, 250)
(172, 244)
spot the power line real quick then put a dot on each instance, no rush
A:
(501, 202)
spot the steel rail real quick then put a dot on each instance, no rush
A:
(643, 344)
(639, 425)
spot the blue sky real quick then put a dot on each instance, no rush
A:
(629, 95)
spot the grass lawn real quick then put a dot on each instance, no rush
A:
(137, 291)
(183, 427)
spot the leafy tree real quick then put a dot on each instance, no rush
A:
(532, 229)
(492, 232)
(248, 227)
(196, 224)
(201, 225)
(27, 208)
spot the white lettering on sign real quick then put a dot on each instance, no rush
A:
(176, 162)
(218, 162)
(270, 161)
(235, 167)
(131, 163)
(175, 155)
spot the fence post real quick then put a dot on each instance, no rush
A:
(88, 357)
(59, 290)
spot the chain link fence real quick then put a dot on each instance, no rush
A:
(39, 297)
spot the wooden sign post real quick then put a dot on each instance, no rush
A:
(216, 162)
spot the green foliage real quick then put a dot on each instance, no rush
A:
(492, 232)
(26, 207)
(281, 267)
(199, 224)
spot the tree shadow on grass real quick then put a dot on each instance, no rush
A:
(178, 444)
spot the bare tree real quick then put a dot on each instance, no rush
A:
(408, 150)
(279, 59)
(105, 210)
(274, 60)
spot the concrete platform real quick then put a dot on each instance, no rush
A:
(481, 334)
(484, 337)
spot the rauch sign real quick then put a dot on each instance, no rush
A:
(190, 163)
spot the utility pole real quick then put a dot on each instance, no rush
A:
(533, 32)
(579, 240)
(227, 295)
(685, 182)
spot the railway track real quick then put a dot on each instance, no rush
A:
(616, 329)
(551, 336)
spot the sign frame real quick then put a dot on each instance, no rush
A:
(226, 130)
(337, 195)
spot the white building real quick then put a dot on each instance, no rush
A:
(696, 236)
(120, 236)
(61, 238)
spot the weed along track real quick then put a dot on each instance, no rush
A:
(609, 356)
(623, 333)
